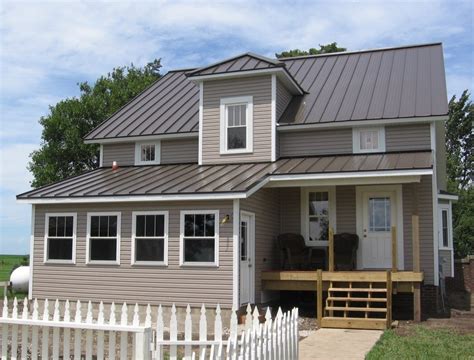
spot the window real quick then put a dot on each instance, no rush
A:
(318, 214)
(103, 238)
(368, 139)
(150, 238)
(236, 125)
(60, 238)
(147, 153)
(444, 224)
(380, 214)
(199, 238)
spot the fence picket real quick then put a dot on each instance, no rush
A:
(5, 329)
(188, 333)
(248, 317)
(34, 332)
(24, 330)
(45, 333)
(56, 331)
(77, 332)
(202, 327)
(218, 324)
(124, 335)
(112, 337)
(89, 332)
(66, 332)
(173, 333)
(100, 333)
(159, 334)
(233, 323)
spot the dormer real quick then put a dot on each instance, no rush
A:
(240, 100)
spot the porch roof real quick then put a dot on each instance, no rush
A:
(193, 181)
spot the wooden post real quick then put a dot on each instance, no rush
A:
(394, 249)
(331, 249)
(389, 299)
(416, 267)
(319, 297)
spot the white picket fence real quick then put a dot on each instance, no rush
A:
(31, 335)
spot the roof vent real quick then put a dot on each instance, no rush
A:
(114, 165)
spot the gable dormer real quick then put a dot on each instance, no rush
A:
(240, 101)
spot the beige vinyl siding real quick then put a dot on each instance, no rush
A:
(315, 142)
(260, 88)
(417, 199)
(290, 213)
(441, 155)
(179, 151)
(407, 137)
(265, 204)
(445, 262)
(346, 209)
(283, 98)
(124, 282)
(122, 153)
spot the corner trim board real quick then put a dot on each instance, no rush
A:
(32, 251)
(235, 257)
(273, 112)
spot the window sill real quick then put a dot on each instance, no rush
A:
(199, 264)
(150, 263)
(237, 152)
(446, 248)
(59, 262)
(103, 262)
(147, 163)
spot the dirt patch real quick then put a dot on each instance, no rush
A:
(460, 322)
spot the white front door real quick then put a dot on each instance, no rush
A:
(379, 215)
(247, 249)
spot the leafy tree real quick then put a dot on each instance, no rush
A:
(460, 163)
(323, 49)
(63, 152)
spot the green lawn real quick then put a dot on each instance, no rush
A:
(7, 262)
(423, 343)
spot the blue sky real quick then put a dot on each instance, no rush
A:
(46, 48)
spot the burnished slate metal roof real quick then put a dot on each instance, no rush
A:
(182, 179)
(403, 82)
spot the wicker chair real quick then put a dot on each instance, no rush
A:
(345, 251)
(296, 254)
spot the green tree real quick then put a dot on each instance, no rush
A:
(323, 49)
(460, 162)
(63, 152)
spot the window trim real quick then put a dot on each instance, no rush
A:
(138, 146)
(224, 102)
(165, 238)
(46, 241)
(356, 139)
(182, 263)
(88, 237)
(331, 190)
(441, 208)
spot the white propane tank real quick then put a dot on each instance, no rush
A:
(20, 278)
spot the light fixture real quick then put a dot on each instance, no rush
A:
(114, 165)
(225, 219)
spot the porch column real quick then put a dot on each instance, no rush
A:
(416, 267)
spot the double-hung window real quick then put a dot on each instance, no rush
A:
(103, 238)
(199, 240)
(150, 237)
(318, 214)
(147, 153)
(366, 140)
(236, 125)
(60, 238)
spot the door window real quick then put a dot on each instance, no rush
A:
(379, 214)
(243, 240)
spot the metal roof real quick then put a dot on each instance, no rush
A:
(184, 179)
(402, 82)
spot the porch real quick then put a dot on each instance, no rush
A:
(359, 299)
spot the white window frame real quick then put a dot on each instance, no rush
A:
(46, 241)
(216, 239)
(165, 238)
(239, 100)
(138, 148)
(356, 139)
(88, 237)
(331, 190)
(441, 208)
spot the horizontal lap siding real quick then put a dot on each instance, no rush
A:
(122, 153)
(346, 209)
(266, 206)
(260, 88)
(282, 100)
(290, 214)
(179, 151)
(417, 198)
(315, 142)
(142, 284)
(442, 177)
(407, 137)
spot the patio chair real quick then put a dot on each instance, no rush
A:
(294, 250)
(345, 251)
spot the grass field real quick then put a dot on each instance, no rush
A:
(423, 343)
(7, 262)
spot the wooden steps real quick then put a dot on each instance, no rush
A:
(357, 299)
(359, 309)
(353, 323)
(374, 290)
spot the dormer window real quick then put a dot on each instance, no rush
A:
(365, 140)
(147, 153)
(236, 123)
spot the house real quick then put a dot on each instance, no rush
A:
(205, 168)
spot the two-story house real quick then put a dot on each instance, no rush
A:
(202, 171)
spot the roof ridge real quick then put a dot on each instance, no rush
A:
(360, 51)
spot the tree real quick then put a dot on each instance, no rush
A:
(323, 49)
(460, 163)
(63, 152)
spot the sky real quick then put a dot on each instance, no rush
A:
(46, 48)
